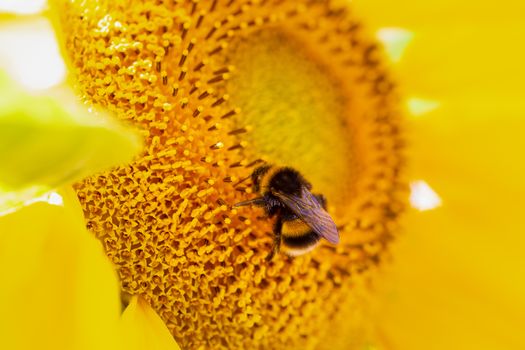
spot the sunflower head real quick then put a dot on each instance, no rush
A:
(218, 88)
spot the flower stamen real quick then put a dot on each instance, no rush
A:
(218, 88)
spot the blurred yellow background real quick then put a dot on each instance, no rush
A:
(458, 277)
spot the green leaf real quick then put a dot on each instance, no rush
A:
(46, 142)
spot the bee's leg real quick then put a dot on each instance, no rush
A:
(271, 205)
(321, 199)
(260, 202)
(277, 227)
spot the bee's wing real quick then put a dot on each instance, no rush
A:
(308, 208)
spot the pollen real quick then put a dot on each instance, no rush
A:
(218, 88)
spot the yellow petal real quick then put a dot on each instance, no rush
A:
(455, 285)
(463, 53)
(58, 291)
(143, 328)
(455, 280)
(47, 142)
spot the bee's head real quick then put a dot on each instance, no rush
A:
(288, 180)
(257, 176)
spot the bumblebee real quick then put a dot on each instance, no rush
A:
(301, 217)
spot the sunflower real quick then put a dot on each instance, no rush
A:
(218, 87)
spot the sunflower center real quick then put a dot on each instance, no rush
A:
(216, 86)
(294, 105)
